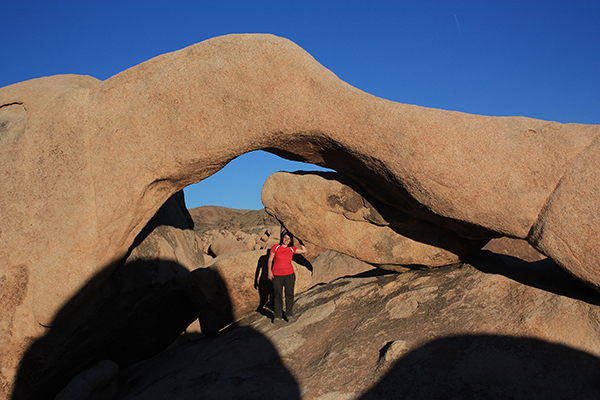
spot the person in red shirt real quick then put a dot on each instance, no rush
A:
(281, 273)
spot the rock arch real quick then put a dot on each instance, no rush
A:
(87, 162)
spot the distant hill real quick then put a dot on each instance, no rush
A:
(230, 219)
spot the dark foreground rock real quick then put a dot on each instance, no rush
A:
(131, 312)
(479, 330)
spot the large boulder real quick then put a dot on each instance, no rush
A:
(481, 330)
(221, 246)
(87, 163)
(328, 209)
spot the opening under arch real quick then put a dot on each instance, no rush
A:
(239, 184)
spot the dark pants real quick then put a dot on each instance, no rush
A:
(279, 281)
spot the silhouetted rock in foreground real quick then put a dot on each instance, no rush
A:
(478, 330)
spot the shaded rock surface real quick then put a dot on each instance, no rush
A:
(97, 382)
(480, 330)
(328, 209)
(78, 186)
(133, 313)
(515, 248)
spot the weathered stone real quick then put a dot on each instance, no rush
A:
(480, 330)
(323, 208)
(78, 186)
(129, 316)
(221, 246)
(331, 265)
(514, 248)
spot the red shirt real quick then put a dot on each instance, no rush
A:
(282, 262)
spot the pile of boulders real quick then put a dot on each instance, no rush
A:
(221, 229)
(216, 242)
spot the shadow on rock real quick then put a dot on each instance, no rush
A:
(301, 260)
(134, 314)
(264, 286)
(489, 367)
(545, 275)
(239, 363)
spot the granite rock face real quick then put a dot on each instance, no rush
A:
(479, 330)
(87, 163)
(133, 313)
(328, 209)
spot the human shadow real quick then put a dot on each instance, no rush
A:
(489, 367)
(303, 261)
(264, 286)
(544, 274)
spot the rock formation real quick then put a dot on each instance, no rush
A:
(478, 330)
(321, 208)
(87, 163)
(220, 229)
(135, 312)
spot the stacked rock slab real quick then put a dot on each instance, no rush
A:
(322, 208)
(87, 163)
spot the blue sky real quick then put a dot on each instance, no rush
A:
(538, 59)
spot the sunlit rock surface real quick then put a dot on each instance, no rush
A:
(325, 208)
